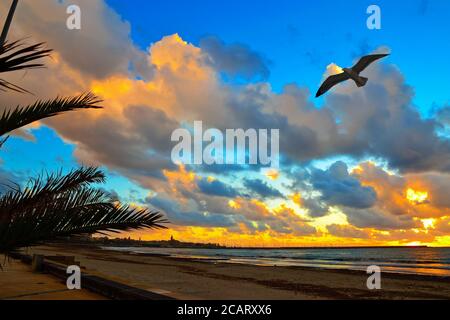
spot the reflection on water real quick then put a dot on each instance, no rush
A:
(430, 261)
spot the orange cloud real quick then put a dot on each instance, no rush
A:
(272, 174)
(297, 199)
(412, 194)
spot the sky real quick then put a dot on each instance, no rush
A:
(359, 166)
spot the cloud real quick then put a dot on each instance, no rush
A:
(289, 222)
(134, 143)
(236, 60)
(392, 191)
(381, 121)
(378, 219)
(339, 188)
(443, 226)
(184, 87)
(101, 48)
(193, 217)
(262, 189)
(316, 208)
(347, 232)
(443, 115)
(217, 188)
(371, 197)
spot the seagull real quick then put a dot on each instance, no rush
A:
(352, 73)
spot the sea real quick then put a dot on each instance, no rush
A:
(414, 260)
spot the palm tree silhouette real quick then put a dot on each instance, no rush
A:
(8, 21)
(55, 205)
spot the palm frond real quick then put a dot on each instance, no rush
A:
(8, 21)
(17, 56)
(70, 208)
(3, 141)
(45, 187)
(22, 116)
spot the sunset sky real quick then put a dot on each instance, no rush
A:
(359, 166)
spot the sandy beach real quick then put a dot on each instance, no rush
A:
(192, 279)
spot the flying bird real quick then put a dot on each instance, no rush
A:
(352, 73)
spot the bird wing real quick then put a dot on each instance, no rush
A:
(331, 82)
(364, 62)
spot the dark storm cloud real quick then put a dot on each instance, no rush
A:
(153, 127)
(192, 217)
(376, 218)
(217, 188)
(249, 109)
(262, 189)
(346, 232)
(235, 59)
(290, 227)
(316, 208)
(140, 148)
(438, 186)
(340, 188)
(221, 169)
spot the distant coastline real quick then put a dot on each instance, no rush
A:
(128, 242)
(172, 243)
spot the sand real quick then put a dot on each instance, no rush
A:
(190, 279)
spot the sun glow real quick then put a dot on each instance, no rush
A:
(416, 197)
(428, 223)
(414, 244)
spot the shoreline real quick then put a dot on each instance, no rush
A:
(191, 279)
(320, 264)
(388, 274)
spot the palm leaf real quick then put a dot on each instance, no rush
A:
(17, 56)
(65, 205)
(8, 21)
(44, 188)
(22, 116)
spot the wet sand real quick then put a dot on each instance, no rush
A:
(192, 279)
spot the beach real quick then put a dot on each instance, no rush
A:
(192, 279)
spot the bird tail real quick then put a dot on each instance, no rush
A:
(363, 82)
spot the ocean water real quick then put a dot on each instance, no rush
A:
(425, 261)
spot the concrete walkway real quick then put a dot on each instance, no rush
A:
(18, 282)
